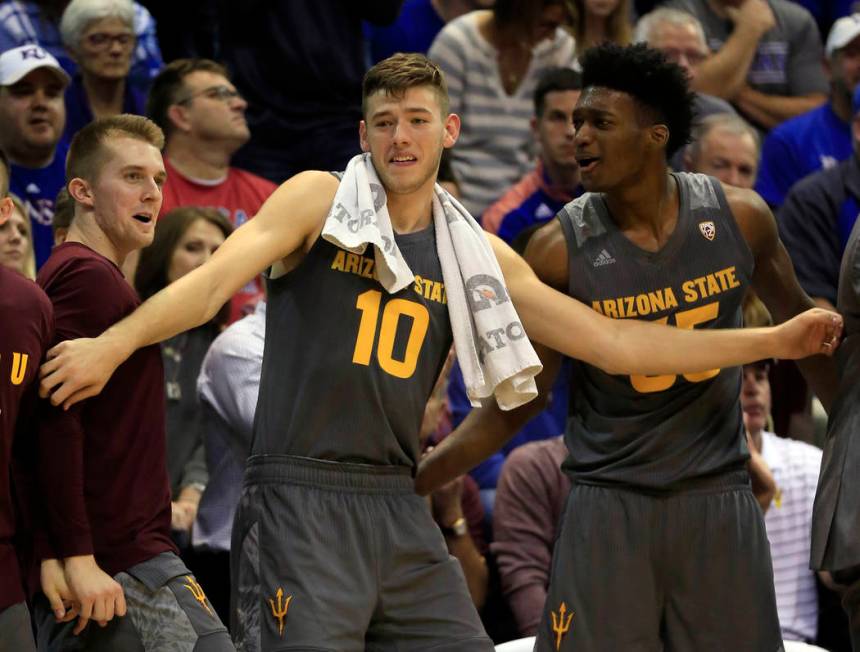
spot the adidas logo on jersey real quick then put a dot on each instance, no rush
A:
(603, 258)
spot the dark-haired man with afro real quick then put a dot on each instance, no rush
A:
(662, 545)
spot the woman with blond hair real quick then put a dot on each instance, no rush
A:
(16, 241)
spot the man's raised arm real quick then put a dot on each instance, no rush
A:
(285, 227)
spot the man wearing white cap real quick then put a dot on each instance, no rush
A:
(822, 137)
(32, 118)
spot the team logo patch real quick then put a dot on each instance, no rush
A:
(197, 591)
(561, 624)
(708, 229)
(280, 607)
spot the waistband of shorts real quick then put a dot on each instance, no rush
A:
(726, 481)
(359, 478)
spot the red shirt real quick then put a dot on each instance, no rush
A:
(239, 196)
(102, 466)
(25, 334)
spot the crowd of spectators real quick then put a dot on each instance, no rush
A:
(258, 92)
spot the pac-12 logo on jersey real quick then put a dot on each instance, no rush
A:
(708, 229)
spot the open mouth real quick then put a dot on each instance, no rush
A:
(587, 163)
(143, 218)
(403, 159)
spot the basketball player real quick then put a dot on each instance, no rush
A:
(663, 544)
(332, 548)
(25, 335)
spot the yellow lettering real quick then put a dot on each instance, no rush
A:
(609, 308)
(733, 281)
(657, 302)
(713, 286)
(689, 292)
(642, 305)
(671, 301)
(353, 261)
(595, 305)
(417, 286)
(337, 263)
(367, 272)
(19, 367)
(629, 308)
(436, 294)
(428, 286)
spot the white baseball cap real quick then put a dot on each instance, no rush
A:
(844, 31)
(17, 63)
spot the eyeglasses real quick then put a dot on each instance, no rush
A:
(223, 93)
(103, 40)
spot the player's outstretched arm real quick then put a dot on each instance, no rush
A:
(627, 346)
(285, 226)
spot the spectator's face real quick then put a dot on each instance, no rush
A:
(681, 44)
(845, 67)
(32, 114)
(554, 129)
(214, 111)
(550, 19)
(729, 157)
(105, 49)
(405, 137)
(755, 398)
(15, 242)
(126, 194)
(600, 8)
(610, 142)
(194, 248)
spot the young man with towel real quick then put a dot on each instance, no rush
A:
(332, 549)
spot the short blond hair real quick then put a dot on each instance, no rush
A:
(400, 72)
(87, 152)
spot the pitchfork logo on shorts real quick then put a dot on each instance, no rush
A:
(561, 624)
(280, 607)
(708, 229)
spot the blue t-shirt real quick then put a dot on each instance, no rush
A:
(38, 188)
(413, 31)
(79, 114)
(549, 423)
(797, 148)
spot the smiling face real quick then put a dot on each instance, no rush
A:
(405, 137)
(611, 144)
(125, 197)
(32, 115)
(755, 398)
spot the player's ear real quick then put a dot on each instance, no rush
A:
(659, 135)
(81, 192)
(452, 130)
(362, 136)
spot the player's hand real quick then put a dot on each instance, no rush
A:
(763, 483)
(100, 596)
(809, 333)
(77, 369)
(56, 589)
(182, 515)
(755, 15)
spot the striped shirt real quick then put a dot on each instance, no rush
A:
(495, 147)
(795, 466)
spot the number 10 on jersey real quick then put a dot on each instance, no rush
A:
(368, 303)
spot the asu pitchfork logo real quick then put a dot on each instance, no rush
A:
(197, 592)
(560, 624)
(280, 608)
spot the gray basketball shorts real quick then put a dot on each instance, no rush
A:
(167, 611)
(16, 632)
(682, 572)
(342, 557)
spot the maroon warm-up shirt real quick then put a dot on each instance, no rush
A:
(102, 463)
(26, 329)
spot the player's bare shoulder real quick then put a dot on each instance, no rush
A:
(546, 253)
(752, 214)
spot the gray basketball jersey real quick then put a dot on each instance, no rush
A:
(657, 432)
(348, 367)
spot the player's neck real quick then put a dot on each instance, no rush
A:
(85, 231)
(646, 211)
(195, 162)
(412, 211)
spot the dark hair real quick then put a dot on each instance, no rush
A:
(525, 13)
(151, 274)
(170, 83)
(400, 72)
(658, 86)
(64, 211)
(7, 174)
(555, 79)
